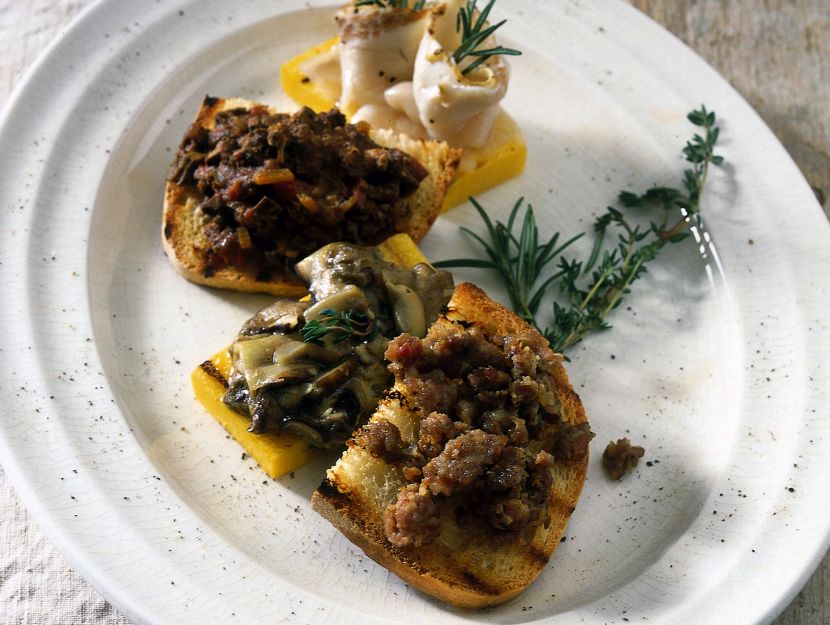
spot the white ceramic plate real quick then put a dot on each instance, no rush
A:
(718, 367)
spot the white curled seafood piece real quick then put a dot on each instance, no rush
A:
(452, 106)
(384, 116)
(377, 50)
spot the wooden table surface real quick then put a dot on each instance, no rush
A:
(775, 52)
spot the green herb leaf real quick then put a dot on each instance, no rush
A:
(519, 261)
(474, 32)
(344, 325)
(589, 290)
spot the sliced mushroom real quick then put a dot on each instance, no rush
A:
(284, 316)
(364, 394)
(292, 351)
(265, 413)
(408, 309)
(237, 396)
(329, 381)
(280, 375)
(305, 431)
(434, 288)
(350, 297)
(372, 352)
(339, 414)
(255, 352)
(291, 397)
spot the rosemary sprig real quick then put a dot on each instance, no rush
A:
(519, 260)
(392, 4)
(592, 288)
(343, 324)
(474, 33)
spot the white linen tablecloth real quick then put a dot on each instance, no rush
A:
(37, 586)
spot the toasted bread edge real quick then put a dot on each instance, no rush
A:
(185, 244)
(425, 568)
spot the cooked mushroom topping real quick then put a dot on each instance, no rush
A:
(408, 309)
(397, 296)
(282, 316)
(316, 368)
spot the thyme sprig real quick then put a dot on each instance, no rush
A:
(592, 288)
(343, 324)
(392, 4)
(474, 32)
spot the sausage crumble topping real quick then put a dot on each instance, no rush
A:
(621, 457)
(490, 429)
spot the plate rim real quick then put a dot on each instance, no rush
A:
(22, 482)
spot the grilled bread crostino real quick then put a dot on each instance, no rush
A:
(252, 191)
(464, 478)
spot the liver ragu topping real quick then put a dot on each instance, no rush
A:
(276, 187)
(489, 433)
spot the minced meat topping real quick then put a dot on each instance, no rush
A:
(490, 429)
(276, 187)
(621, 457)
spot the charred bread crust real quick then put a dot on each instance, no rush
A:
(471, 566)
(186, 246)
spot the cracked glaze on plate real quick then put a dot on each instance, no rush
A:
(717, 367)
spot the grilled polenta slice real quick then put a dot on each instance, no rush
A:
(276, 454)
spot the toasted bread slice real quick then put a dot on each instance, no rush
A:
(471, 564)
(186, 245)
